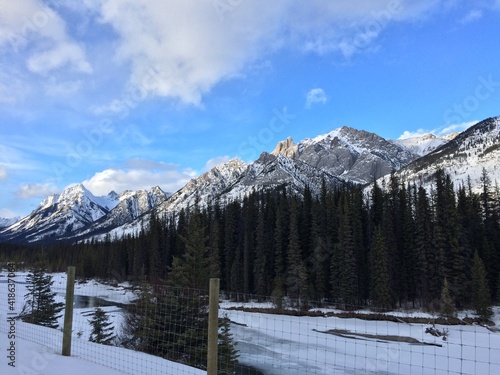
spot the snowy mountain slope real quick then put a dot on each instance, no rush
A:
(60, 214)
(76, 209)
(354, 155)
(233, 181)
(204, 188)
(272, 171)
(424, 144)
(131, 206)
(4, 222)
(463, 157)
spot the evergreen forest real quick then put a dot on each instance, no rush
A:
(386, 246)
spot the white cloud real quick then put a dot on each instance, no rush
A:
(3, 173)
(64, 88)
(35, 29)
(184, 48)
(214, 162)
(62, 54)
(443, 130)
(472, 16)
(414, 133)
(140, 174)
(13, 89)
(8, 214)
(456, 127)
(315, 96)
(27, 191)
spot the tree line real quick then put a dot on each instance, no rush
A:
(391, 245)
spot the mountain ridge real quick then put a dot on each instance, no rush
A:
(343, 155)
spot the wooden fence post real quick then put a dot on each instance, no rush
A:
(213, 327)
(68, 312)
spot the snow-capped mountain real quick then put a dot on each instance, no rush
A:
(58, 215)
(131, 206)
(206, 187)
(271, 171)
(202, 189)
(354, 155)
(234, 180)
(463, 158)
(67, 214)
(340, 156)
(424, 144)
(343, 155)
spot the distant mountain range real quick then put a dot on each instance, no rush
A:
(345, 155)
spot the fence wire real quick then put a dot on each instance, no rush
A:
(159, 329)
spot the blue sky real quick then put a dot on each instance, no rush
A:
(128, 94)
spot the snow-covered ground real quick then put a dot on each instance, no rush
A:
(273, 344)
(279, 344)
(38, 349)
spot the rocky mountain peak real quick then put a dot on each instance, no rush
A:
(287, 148)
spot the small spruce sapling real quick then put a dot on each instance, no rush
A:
(40, 307)
(102, 328)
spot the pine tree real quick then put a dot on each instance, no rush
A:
(481, 300)
(296, 280)
(191, 269)
(263, 251)
(227, 353)
(249, 224)
(447, 309)
(169, 322)
(231, 242)
(280, 246)
(427, 264)
(346, 255)
(40, 307)
(381, 293)
(102, 328)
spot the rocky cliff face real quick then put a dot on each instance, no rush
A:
(354, 155)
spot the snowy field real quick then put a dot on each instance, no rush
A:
(273, 344)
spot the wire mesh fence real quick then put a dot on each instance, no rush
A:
(161, 329)
(327, 340)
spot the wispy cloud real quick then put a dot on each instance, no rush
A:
(3, 173)
(64, 88)
(444, 130)
(27, 191)
(315, 96)
(214, 162)
(472, 16)
(7, 213)
(456, 127)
